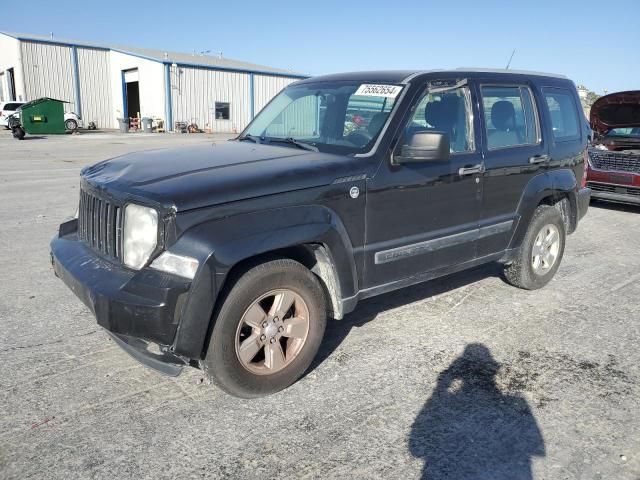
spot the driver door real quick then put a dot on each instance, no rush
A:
(424, 217)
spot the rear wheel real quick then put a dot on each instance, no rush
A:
(268, 330)
(541, 251)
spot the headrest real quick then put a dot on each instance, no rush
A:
(376, 122)
(503, 115)
(433, 113)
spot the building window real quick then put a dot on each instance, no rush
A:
(222, 111)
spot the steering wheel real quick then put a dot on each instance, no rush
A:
(359, 139)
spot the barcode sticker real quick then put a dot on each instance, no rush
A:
(369, 90)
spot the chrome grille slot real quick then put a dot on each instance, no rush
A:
(100, 224)
(615, 161)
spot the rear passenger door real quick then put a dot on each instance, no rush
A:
(515, 150)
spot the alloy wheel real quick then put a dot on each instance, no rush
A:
(272, 332)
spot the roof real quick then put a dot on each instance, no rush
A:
(405, 76)
(41, 100)
(164, 56)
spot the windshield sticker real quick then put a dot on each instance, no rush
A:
(369, 90)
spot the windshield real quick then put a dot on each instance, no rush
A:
(336, 117)
(624, 132)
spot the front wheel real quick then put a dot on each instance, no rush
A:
(541, 251)
(71, 125)
(18, 132)
(268, 330)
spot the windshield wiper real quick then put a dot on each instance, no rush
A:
(253, 138)
(297, 143)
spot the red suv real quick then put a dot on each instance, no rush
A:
(613, 170)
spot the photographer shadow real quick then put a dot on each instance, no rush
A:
(469, 429)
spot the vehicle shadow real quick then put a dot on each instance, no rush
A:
(469, 429)
(367, 310)
(620, 207)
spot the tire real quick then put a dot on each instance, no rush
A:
(71, 125)
(255, 376)
(18, 132)
(529, 271)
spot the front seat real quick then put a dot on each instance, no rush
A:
(376, 122)
(503, 117)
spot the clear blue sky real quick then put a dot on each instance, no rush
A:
(577, 38)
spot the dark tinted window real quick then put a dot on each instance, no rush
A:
(222, 111)
(11, 106)
(563, 113)
(510, 116)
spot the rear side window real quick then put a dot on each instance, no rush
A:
(563, 113)
(510, 116)
(11, 106)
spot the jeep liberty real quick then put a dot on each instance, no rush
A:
(230, 257)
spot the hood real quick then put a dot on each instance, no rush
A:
(616, 110)
(217, 173)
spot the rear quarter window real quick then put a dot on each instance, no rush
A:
(563, 113)
(11, 106)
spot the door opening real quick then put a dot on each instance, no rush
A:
(11, 81)
(131, 93)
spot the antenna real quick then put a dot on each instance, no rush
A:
(510, 58)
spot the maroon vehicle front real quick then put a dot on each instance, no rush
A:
(613, 170)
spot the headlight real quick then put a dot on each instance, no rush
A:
(140, 234)
(176, 264)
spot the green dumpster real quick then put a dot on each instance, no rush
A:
(43, 116)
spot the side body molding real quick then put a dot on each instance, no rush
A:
(223, 243)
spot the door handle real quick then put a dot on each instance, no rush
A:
(539, 159)
(471, 170)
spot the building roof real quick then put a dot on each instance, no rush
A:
(164, 56)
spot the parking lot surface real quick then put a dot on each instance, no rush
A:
(463, 377)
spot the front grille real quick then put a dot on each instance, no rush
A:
(606, 188)
(620, 162)
(100, 224)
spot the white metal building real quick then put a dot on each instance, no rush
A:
(103, 83)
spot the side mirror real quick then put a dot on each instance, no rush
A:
(424, 147)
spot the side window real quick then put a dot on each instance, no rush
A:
(448, 110)
(510, 117)
(563, 113)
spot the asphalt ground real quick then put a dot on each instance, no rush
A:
(463, 377)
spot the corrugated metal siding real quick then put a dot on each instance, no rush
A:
(266, 87)
(95, 87)
(48, 72)
(195, 91)
(299, 119)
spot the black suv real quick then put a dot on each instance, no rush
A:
(231, 256)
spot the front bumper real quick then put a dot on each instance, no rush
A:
(614, 185)
(141, 307)
(615, 193)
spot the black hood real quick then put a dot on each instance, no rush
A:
(616, 110)
(217, 173)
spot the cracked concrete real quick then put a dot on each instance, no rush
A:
(464, 377)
